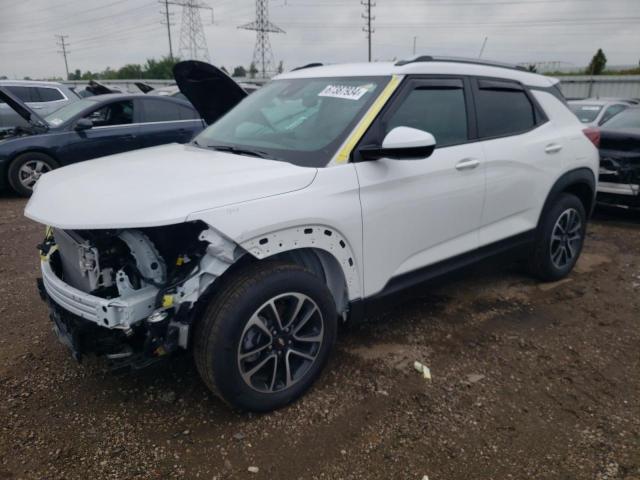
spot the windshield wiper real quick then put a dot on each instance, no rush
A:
(240, 151)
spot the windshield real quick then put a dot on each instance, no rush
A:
(586, 113)
(302, 121)
(630, 118)
(67, 112)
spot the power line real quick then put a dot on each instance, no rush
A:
(168, 23)
(193, 44)
(368, 19)
(61, 42)
(262, 53)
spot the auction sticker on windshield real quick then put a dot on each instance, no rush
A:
(347, 92)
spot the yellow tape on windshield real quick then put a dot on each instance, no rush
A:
(367, 120)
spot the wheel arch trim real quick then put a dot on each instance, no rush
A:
(314, 237)
(573, 178)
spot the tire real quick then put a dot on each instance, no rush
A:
(559, 239)
(235, 336)
(35, 162)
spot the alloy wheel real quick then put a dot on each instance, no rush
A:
(280, 342)
(566, 238)
(31, 171)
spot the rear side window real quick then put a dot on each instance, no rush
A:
(503, 108)
(160, 111)
(49, 94)
(187, 113)
(26, 94)
(438, 109)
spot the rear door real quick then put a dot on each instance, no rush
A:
(164, 120)
(115, 130)
(419, 212)
(523, 151)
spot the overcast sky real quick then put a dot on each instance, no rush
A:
(112, 33)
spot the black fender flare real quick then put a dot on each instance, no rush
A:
(578, 178)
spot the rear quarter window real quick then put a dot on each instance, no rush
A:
(503, 109)
(49, 94)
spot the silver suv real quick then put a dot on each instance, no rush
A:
(43, 97)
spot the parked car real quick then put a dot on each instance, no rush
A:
(42, 97)
(594, 112)
(88, 128)
(619, 181)
(304, 205)
(174, 91)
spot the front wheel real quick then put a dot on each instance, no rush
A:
(559, 239)
(266, 336)
(26, 169)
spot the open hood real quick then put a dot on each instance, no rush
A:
(157, 186)
(22, 109)
(98, 88)
(211, 91)
(144, 87)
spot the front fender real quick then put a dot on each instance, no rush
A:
(326, 216)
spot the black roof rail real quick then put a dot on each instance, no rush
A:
(308, 65)
(473, 61)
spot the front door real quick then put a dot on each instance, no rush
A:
(419, 212)
(115, 130)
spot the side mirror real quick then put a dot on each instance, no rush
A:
(402, 143)
(83, 124)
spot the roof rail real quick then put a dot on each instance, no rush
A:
(474, 61)
(308, 65)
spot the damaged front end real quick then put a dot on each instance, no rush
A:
(619, 179)
(130, 295)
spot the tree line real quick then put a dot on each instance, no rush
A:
(155, 69)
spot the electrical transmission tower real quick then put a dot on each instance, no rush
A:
(63, 45)
(368, 18)
(262, 53)
(193, 44)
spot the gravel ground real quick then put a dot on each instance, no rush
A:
(530, 381)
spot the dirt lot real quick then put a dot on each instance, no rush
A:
(529, 382)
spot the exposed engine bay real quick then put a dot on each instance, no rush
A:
(15, 132)
(130, 294)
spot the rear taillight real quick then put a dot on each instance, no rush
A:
(593, 134)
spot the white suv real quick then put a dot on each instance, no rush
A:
(326, 190)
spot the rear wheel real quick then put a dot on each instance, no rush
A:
(266, 336)
(560, 239)
(26, 169)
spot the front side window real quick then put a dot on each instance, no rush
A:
(503, 111)
(440, 111)
(68, 112)
(26, 94)
(630, 118)
(302, 121)
(116, 113)
(611, 112)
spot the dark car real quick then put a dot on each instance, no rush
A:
(89, 128)
(619, 181)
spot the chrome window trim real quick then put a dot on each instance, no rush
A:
(146, 123)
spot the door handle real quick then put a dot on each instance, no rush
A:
(467, 164)
(36, 107)
(553, 148)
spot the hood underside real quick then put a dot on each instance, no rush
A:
(211, 91)
(157, 186)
